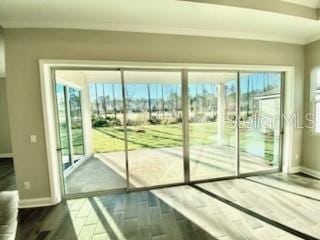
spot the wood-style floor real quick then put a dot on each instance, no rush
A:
(184, 212)
(217, 218)
(299, 184)
(286, 208)
(135, 215)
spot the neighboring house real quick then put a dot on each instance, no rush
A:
(268, 111)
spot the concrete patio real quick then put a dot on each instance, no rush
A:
(151, 167)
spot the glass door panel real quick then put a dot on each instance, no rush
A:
(154, 127)
(212, 124)
(63, 126)
(107, 115)
(91, 130)
(260, 112)
(76, 123)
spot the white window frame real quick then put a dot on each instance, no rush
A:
(45, 66)
(314, 76)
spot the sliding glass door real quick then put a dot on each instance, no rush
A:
(108, 160)
(142, 128)
(154, 127)
(212, 124)
(260, 121)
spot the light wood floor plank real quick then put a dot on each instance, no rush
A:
(297, 212)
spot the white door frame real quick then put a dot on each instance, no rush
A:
(47, 65)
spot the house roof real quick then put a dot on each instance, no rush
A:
(272, 93)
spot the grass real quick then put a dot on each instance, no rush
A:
(111, 139)
(77, 139)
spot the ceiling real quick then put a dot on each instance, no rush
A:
(163, 16)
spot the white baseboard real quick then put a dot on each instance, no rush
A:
(294, 170)
(35, 202)
(6, 155)
(311, 172)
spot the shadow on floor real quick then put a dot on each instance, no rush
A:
(135, 215)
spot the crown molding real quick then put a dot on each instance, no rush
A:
(313, 39)
(274, 6)
(156, 30)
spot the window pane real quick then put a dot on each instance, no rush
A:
(76, 123)
(212, 128)
(260, 97)
(63, 126)
(154, 122)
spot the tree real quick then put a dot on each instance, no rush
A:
(204, 99)
(253, 94)
(104, 103)
(213, 101)
(162, 102)
(114, 102)
(248, 95)
(177, 101)
(149, 101)
(97, 103)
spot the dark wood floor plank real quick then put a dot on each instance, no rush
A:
(138, 216)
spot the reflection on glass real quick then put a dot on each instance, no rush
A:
(154, 126)
(76, 123)
(63, 126)
(108, 164)
(212, 118)
(260, 95)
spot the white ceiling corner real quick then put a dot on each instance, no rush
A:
(165, 16)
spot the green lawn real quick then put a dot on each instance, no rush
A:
(111, 139)
(150, 136)
(157, 136)
(77, 139)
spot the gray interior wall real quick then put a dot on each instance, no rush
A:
(24, 47)
(311, 143)
(5, 141)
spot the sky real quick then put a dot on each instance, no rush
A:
(138, 91)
